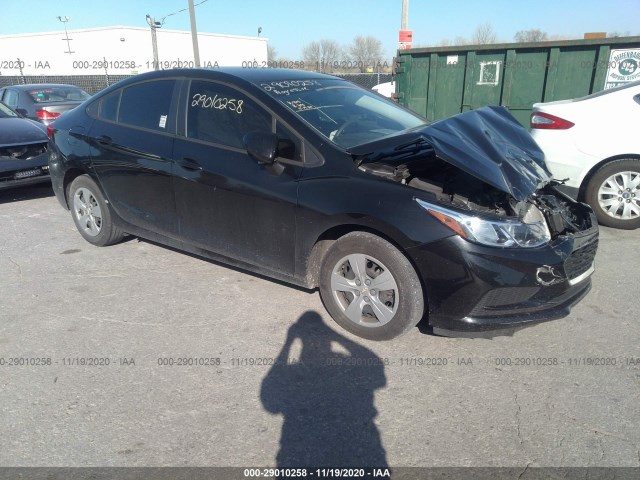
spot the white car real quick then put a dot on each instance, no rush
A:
(594, 143)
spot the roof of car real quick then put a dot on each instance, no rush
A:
(35, 86)
(251, 75)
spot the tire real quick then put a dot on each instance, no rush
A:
(614, 194)
(91, 213)
(359, 307)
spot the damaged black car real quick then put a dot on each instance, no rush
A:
(23, 150)
(309, 179)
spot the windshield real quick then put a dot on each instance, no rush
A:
(341, 111)
(6, 112)
(58, 94)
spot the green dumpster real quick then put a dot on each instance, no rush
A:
(443, 81)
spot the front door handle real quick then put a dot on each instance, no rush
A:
(189, 164)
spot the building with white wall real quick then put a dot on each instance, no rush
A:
(121, 50)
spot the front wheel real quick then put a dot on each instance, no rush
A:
(614, 194)
(370, 288)
(91, 213)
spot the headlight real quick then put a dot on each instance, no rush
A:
(496, 233)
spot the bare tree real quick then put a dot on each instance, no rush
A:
(366, 52)
(460, 41)
(322, 55)
(484, 34)
(619, 34)
(531, 35)
(272, 53)
(561, 37)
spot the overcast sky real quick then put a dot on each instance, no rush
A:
(290, 24)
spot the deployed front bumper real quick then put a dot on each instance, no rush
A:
(474, 288)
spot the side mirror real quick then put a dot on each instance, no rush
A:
(261, 146)
(22, 112)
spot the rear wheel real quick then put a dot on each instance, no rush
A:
(91, 213)
(614, 194)
(370, 288)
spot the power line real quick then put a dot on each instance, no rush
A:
(180, 11)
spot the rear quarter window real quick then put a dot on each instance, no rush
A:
(106, 108)
(109, 106)
(10, 98)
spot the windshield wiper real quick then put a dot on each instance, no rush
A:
(401, 151)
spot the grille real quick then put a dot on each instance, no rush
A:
(580, 260)
(23, 152)
(503, 297)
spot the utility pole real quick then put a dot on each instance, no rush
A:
(64, 21)
(154, 40)
(194, 34)
(405, 37)
(405, 15)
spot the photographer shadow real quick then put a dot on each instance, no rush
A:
(326, 397)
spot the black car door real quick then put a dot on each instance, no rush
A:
(132, 141)
(226, 202)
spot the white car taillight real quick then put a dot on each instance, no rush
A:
(549, 122)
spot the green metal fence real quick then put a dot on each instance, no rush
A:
(443, 81)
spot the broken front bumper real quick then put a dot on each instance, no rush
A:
(16, 172)
(472, 288)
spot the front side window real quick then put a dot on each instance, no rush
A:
(145, 105)
(342, 112)
(219, 114)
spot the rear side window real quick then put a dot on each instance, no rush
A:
(220, 114)
(147, 104)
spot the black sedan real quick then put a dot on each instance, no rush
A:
(312, 180)
(23, 150)
(43, 102)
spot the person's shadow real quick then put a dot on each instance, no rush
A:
(326, 399)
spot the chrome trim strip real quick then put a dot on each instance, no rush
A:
(586, 274)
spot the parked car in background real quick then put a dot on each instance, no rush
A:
(23, 150)
(310, 179)
(42, 102)
(594, 143)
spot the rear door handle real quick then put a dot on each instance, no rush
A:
(189, 164)
(104, 140)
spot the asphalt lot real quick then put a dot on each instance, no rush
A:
(563, 393)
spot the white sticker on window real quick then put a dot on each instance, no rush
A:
(163, 121)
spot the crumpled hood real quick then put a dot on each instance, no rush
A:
(18, 131)
(487, 143)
